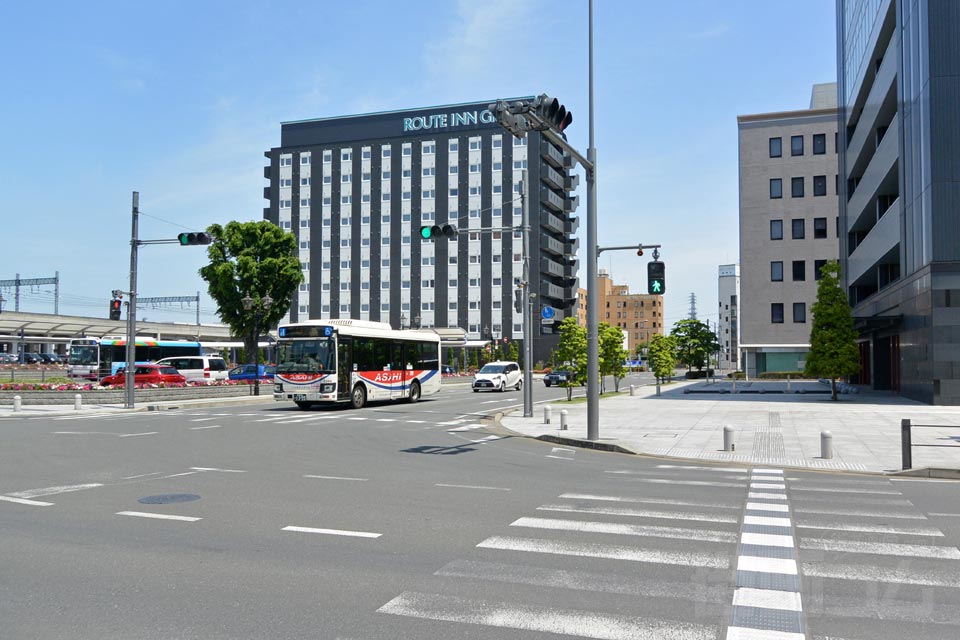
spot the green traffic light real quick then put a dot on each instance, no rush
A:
(656, 286)
(426, 232)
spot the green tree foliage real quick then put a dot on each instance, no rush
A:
(571, 353)
(255, 259)
(662, 355)
(612, 354)
(833, 340)
(513, 352)
(695, 342)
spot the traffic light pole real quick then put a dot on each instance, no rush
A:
(527, 302)
(132, 309)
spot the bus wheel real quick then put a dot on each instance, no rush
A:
(359, 397)
(414, 392)
(305, 405)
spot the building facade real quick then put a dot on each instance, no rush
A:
(728, 288)
(899, 87)
(357, 189)
(788, 228)
(640, 316)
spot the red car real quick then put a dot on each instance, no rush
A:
(145, 374)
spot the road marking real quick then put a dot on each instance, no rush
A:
(468, 427)
(846, 490)
(468, 486)
(550, 620)
(745, 633)
(773, 472)
(757, 495)
(489, 439)
(177, 475)
(691, 468)
(693, 483)
(766, 521)
(866, 528)
(83, 433)
(204, 419)
(358, 419)
(881, 548)
(767, 540)
(386, 420)
(767, 565)
(213, 426)
(923, 577)
(641, 513)
(767, 485)
(337, 478)
(767, 599)
(702, 535)
(215, 469)
(32, 503)
(158, 516)
(839, 511)
(334, 532)
(762, 506)
(50, 491)
(143, 475)
(679, 503)
(133, 435)
(946, 515)
(592, 550)
(416, 421)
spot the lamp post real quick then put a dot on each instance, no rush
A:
(258, 308)
(416, 323)
(403, 321)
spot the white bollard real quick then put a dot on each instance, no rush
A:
(632, 389)
(16, 403)
(563, 420)
(727, 438)
(826, 445)
(547, 413)
(788, 383)
(77, 402)
(734, 385)
(658, 387)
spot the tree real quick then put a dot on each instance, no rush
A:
(661, 355)
(833, 340)
(571, 353)
(255, 259)
(695, 342)
(612, 354)
(513, 352)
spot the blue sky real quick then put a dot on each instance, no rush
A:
(179, 100)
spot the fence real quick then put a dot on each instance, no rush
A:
(26, 374)
(906, 440)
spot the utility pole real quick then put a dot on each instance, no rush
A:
(527, 300)
(132, 307)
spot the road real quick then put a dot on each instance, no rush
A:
(424, 521)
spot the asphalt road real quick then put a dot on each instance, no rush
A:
(424, 521)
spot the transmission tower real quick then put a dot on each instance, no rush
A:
(693, 306)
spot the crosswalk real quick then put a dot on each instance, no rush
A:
(744, 554)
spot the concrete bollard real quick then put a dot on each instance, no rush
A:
(77, 402)
(16, 403)
(734, 390)
(788, 383)
(547, 414)
(563, 420)
(658, 387)
(727, 438)
(632, 388)
(826, 445)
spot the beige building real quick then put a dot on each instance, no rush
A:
(638, 315)
(788, 228)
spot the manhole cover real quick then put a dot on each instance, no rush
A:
(168, 498)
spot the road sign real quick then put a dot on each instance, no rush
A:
(547, 313)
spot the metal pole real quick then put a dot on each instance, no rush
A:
(56, 293)
(132, 308)
(905, 444)
(527, 302)
(256, 353)
(593, 313)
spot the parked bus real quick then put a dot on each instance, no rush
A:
(96, 358)
(354, 361)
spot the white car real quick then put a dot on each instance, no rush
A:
(498, 376)
(200, 369)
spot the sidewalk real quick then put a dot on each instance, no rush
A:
(770, 426)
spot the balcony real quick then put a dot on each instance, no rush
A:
(880, 170)
(551, 154)
(552, 200)
(881, 239)
(551, 222)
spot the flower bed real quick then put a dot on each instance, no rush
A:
(96, 395)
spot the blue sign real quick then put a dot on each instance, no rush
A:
(547, 313)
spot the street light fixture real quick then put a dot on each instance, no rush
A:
(258, 309)
(403, 321)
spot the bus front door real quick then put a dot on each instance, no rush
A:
(344, 368)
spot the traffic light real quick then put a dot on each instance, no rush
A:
(509, 119)
(438, 232)
(193, 238)
(554, 114)
(656, 284)
(115, 306)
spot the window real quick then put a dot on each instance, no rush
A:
(429, 171)
(474, 168)
(474, 144)
(386, 152)
(407, 150)
(799, 270)
(385, 175)
(796, 187)
(817, 265)
(365, 153)
(328, 156)
(429, 148)
(327, 179)
(776, 229)
(776, 313)
(819, 185)
(819, 227)
(304, 182)
(346, 178)
(453, 145)
(305, 158)
(776, 271)
(799, 312)
(286, 182)
(797, 228)
(776, 188)
(286, 161)
(776, 147)
(498, 166)
(796, 145)
(286, 204)
(454, 169)
(346, 155)
(497, 142)
(819, 144)
(304, 202)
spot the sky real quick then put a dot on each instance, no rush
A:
(179, 101)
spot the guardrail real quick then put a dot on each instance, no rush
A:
(906, 440)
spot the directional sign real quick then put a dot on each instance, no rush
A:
(547, 313)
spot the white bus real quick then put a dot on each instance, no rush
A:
(354, 361)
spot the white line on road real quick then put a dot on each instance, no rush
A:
(692, 468)
(882, 574)
(767, 599)
(469, 486)
(334, 532)
(946, 515)
(767, 565)
(133, 435)
(767, 540)
(766, 485)
(337, 478)
(881, 548)
(213, 426)
(642, 513)
(203, 419)
(561, 458)
(747, 633)
(143, 475)
(861, 513)
(766, 521)
(83, 433)
(692, 483)
(215, 469)
(868, 528)
(773, 472)
(702, 535)
(678, 503)
(758, 495)
(762, 506)
(50, 491)
(846, 490)
(177, 475)
(32, 503)
(158, 516)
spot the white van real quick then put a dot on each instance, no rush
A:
(199, 368)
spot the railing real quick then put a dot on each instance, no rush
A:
(23, 374)
(906, 440)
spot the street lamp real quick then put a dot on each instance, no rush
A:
(258, 309)
(403, 321)
(416, 322)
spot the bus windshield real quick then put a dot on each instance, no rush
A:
(307, 356)
(83, 355)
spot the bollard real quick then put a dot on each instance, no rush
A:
(906, 442)
(788, 383)
(727, 438)
(631, 389)
(826, 445)
(658, 387)
(77, 402)
(16, 403)
(563, 420)
(734, 390)
(547, 413)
